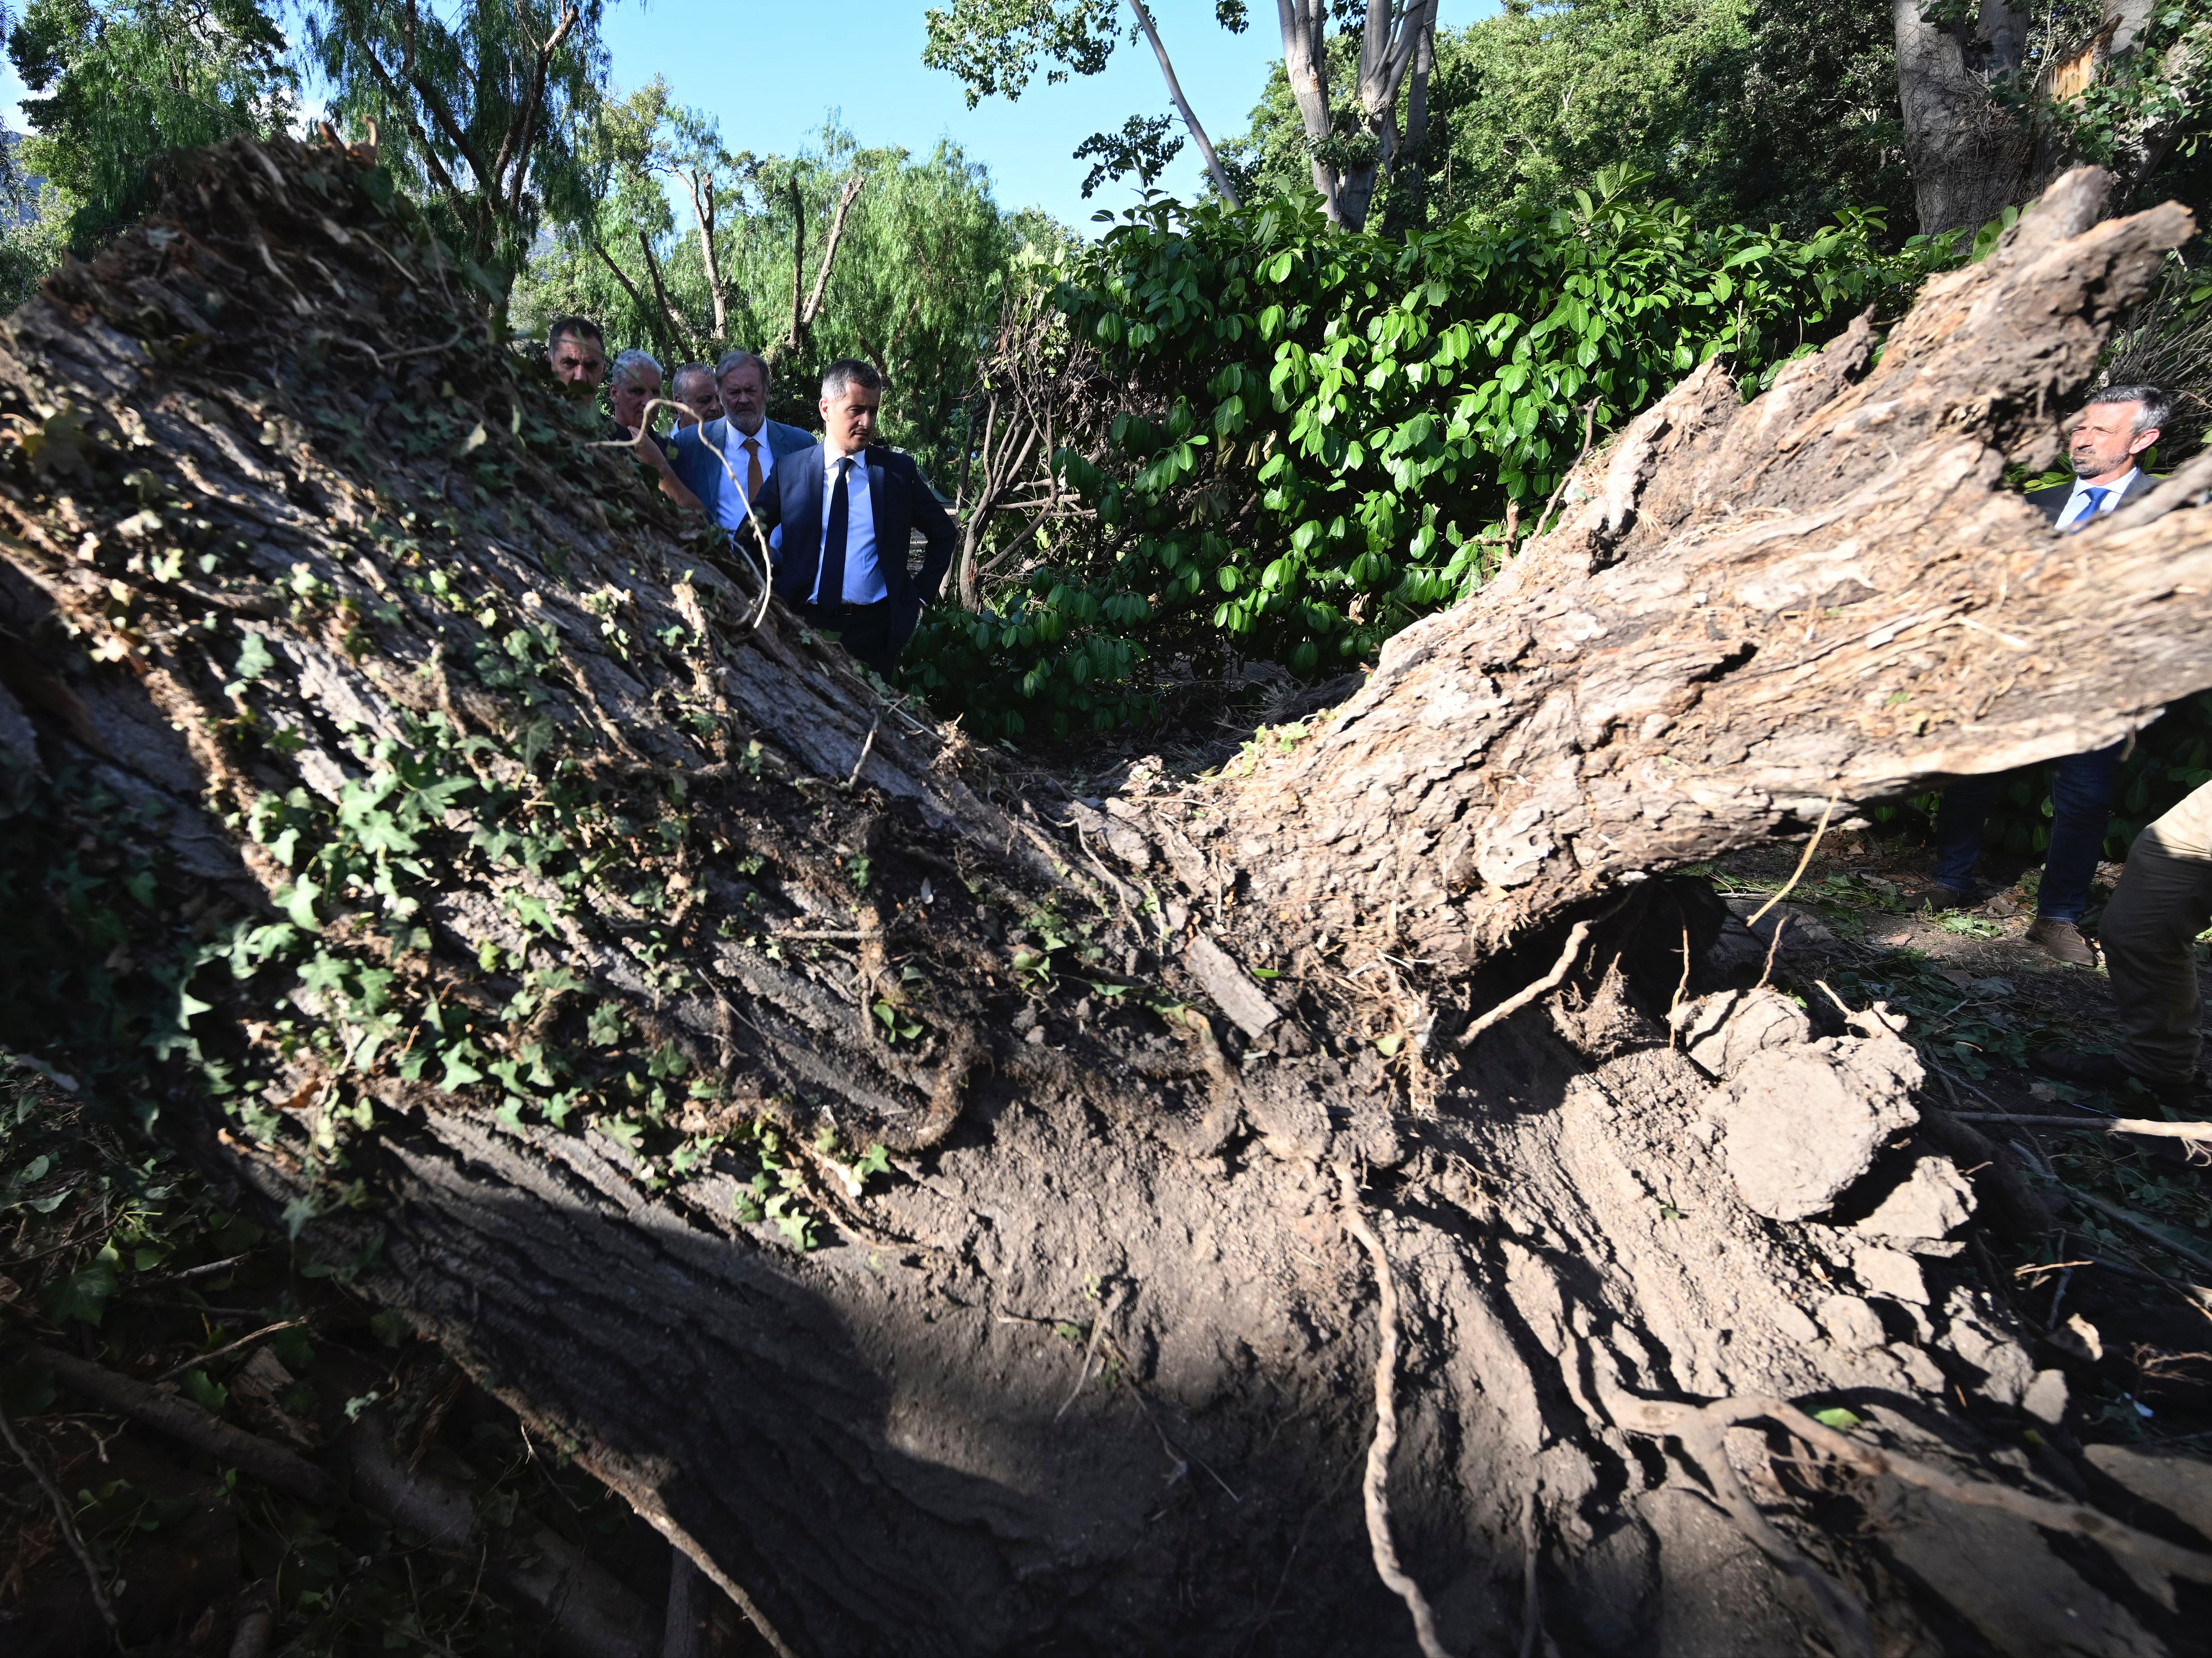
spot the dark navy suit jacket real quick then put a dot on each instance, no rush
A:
(900, 502)
(2052, 502)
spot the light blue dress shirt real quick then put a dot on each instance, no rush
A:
(864, 581)
(2077, 504)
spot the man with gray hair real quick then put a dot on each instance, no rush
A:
(2120, 424)
(631, 388)
(692, 388)
(847, 510)
(726, 462)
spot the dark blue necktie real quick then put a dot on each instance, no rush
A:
(2096, 498)
(830, 590)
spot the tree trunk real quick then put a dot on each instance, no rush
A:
(1090, 1367)
(1408, 213)
(1971, 156)
(1305, 65)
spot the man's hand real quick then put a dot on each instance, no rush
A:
(647, 449)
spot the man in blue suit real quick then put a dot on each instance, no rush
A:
(726, 462)
(846, 510)
(2120, 424)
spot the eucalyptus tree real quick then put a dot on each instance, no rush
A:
(1750, 111)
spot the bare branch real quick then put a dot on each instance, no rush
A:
(1182, 106)
(828, 254)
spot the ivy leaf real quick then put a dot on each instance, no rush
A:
(459, 1073)
(298, 901)
(531, 911)
(85, 1293)
(254, 658)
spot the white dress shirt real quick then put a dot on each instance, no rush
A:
(2077, 504)
(864, 580)
(734, 480)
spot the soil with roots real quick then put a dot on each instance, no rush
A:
(966, 1216)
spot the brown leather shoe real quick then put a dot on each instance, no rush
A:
(2062, 941)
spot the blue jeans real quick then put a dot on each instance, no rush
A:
(2081, 806)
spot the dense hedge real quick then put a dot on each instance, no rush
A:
(1329, 434)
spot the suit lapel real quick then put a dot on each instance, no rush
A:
(885, 516)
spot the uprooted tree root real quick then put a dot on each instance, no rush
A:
(916, 1191)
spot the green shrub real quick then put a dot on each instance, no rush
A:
(1328, 434)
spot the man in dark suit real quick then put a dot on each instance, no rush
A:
(726, 462)
(2120, 424)
(845, 509)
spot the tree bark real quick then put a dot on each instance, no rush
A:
(1088, 1368)
(1971, 156)
(1191, 124)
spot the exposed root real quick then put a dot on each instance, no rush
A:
(1803, 864)
(1551, 981)
(1376, 1486)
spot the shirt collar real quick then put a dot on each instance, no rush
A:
(830, 457)
(2082, 486)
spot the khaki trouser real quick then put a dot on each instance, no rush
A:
(2164, 900)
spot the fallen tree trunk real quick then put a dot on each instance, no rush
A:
(552, 929)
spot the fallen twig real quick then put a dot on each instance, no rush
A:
(198, 1359)
(1376, 1486)
(65, 1517)
(2141, 1228)
(866, 743)
(1091, 1352)
(180, 1418)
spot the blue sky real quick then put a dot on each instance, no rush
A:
(772, 75)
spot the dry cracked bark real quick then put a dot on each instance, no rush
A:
(601, 830)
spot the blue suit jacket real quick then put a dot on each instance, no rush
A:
(2052, 502)
(701, 469)
(900, 502)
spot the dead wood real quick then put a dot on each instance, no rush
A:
(460, 768)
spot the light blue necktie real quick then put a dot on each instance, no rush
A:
(2096, 505)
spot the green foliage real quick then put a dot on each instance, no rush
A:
(1749, 110)
(472, 105)
(995, 46)
(36, 239)
(122, 84)
(1334, 431)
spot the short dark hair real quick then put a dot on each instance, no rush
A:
(582, 328)
(2157, 406)
(849, 372)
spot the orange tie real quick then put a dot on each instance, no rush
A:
(752, 469)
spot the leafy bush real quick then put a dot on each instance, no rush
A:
(1330, 434)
